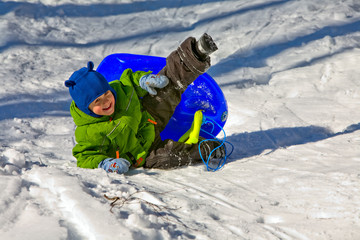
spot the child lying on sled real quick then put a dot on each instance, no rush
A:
(119, 123)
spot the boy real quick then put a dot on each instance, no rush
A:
(119, 123)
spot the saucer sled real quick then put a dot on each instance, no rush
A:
(203, 94)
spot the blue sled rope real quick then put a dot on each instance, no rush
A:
(223, 160)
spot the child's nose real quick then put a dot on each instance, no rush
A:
(106, 100)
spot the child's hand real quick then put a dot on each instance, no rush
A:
(151, 81)
(118, 165)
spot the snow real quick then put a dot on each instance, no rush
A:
(289, 71)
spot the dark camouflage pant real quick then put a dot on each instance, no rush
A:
(182, 68)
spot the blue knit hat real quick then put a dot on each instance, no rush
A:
(85, 85)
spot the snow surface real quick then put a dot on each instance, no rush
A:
(289, 70)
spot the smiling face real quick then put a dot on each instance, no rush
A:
(103, 105)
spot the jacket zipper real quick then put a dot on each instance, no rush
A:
(130, 100)
(127, 108)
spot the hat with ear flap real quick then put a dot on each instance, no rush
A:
(86, 85)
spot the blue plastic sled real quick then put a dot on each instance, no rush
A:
(204, 93)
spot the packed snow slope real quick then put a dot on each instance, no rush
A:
(290, 73)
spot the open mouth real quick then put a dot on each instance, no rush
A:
(108, 108)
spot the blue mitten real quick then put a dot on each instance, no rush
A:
(151, 81)
(118, 165)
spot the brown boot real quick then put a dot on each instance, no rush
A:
(208, 146)
(204, 47)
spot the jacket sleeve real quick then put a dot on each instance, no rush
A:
(130, 78)
(91, 147)
(87, 156)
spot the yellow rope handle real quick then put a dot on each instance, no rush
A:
(192, 135)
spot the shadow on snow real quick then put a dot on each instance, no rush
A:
(33, 10)
(39, 10)
(237, 60)
(259, 56)
(30, 106)
(254, 143)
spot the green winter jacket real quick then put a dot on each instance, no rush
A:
(128, 131)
